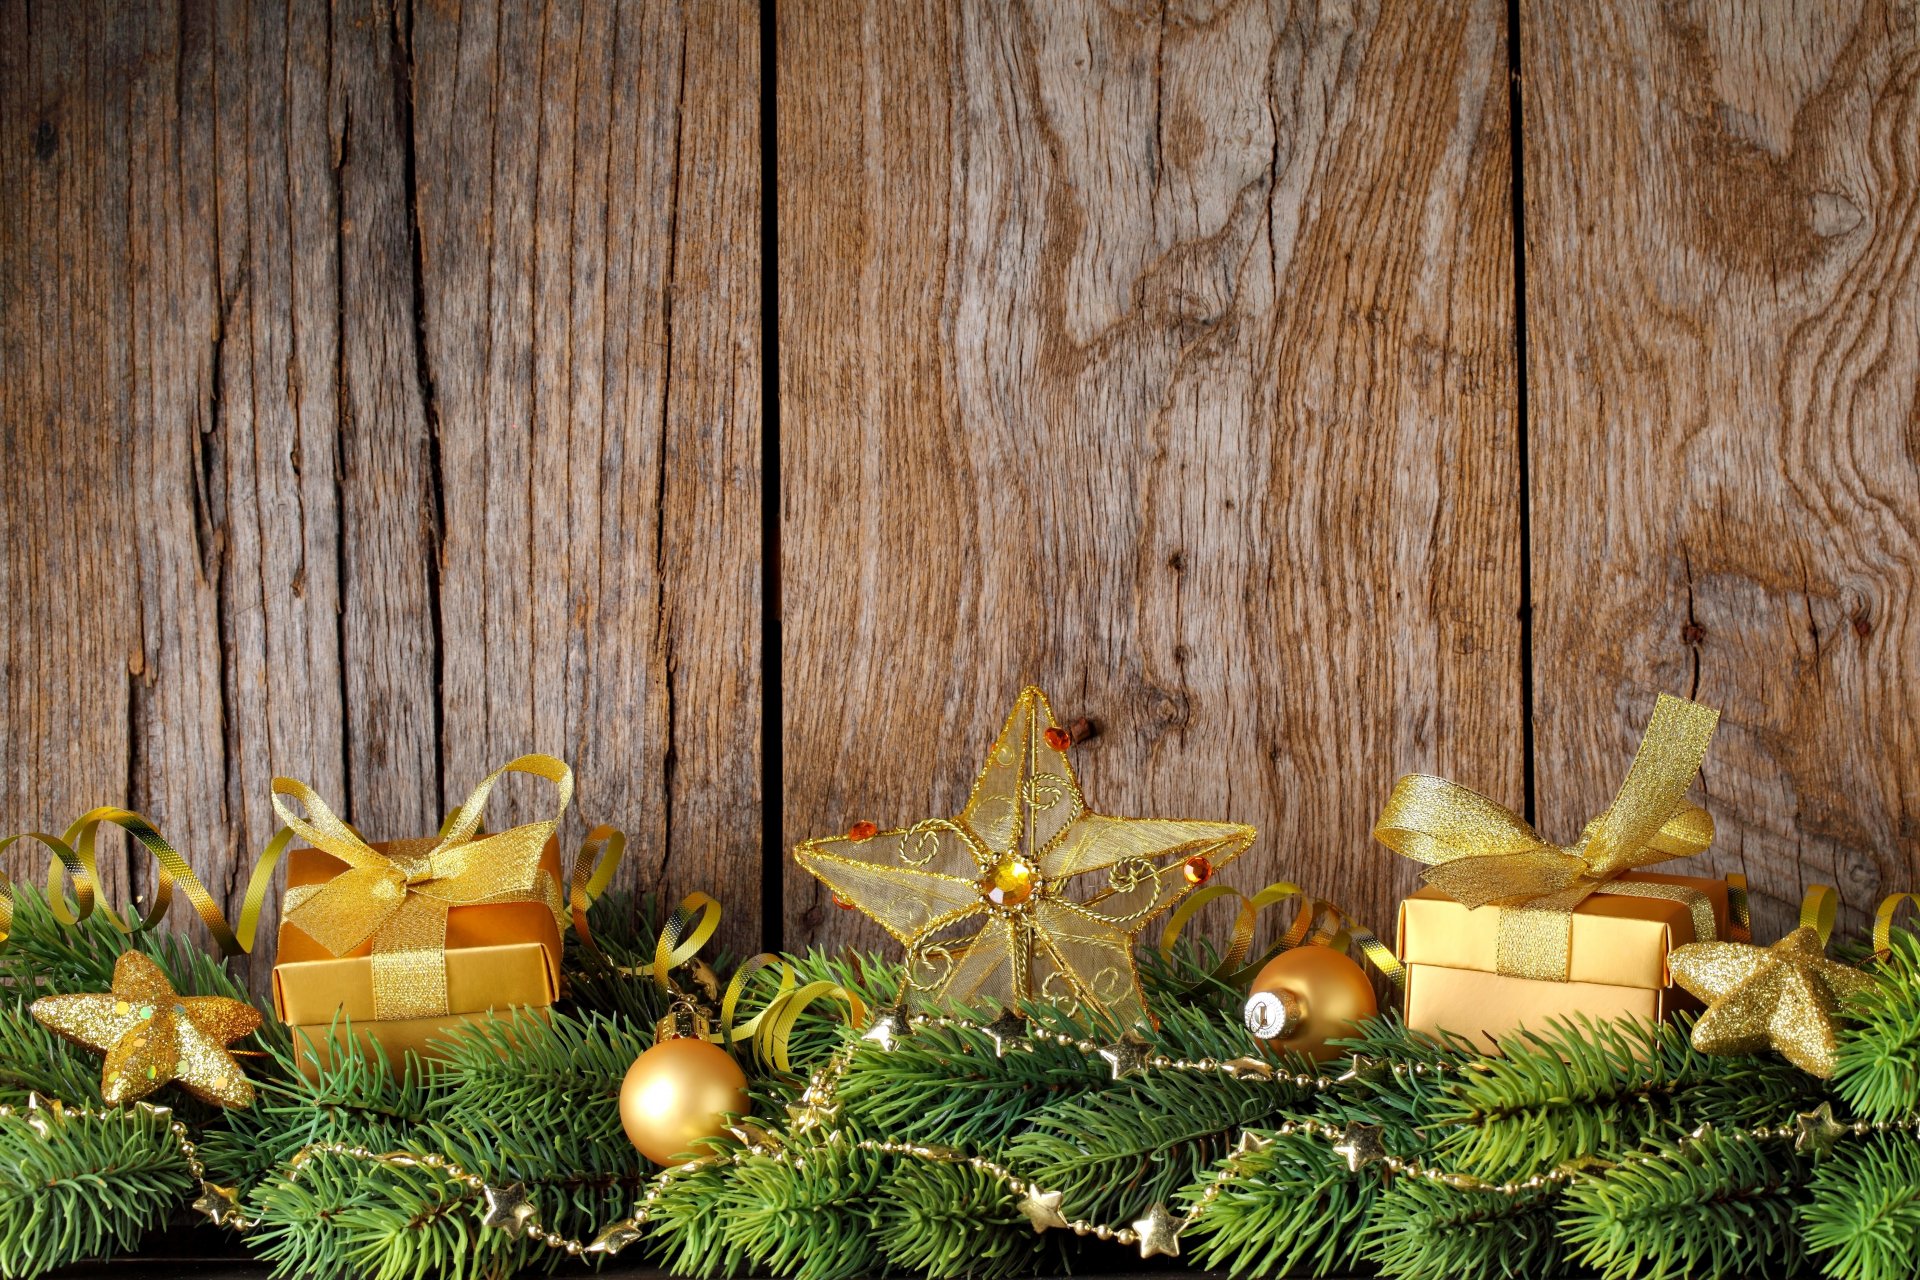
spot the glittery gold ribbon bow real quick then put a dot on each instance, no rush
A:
(398, 898)
(1483, 854)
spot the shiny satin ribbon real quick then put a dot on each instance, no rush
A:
(398, 900)
(1316, 921)
(1481, 853)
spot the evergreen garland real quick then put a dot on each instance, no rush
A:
(532, 1100)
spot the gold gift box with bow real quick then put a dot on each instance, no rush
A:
(408, 940)
(1513, 930)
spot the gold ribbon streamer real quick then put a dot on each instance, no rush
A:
(1818, 911)
(1481, 853)
(1883, 921)
(398, 900)
(1235, 969)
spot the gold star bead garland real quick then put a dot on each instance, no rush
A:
(1783, 997)
(154, 1037)
(980, 901)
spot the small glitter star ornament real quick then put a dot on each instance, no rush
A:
(154, 1037)
(1783, 997)
(981, 901)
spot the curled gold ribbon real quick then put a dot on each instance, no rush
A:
(1481, 853)
(1883, 921)
(1335, 928)
(398, 899)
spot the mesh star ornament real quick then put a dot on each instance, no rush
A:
(1027, 894)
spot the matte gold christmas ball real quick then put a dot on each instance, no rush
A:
(1307, 996)
(674, 1096)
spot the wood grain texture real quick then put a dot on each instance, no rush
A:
(1163, 356)
(1723, 284)
(374, 380)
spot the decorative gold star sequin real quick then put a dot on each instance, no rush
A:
(889, 1027)
(1159, 1233)
(1127, 1055)
(1361, 1145)
(982, 903)
(508, 1209)
(616, 1236)
(1816, 1132)
(153, 1037)
(1006, 1031)
(1784, 997)
(220, 1205)
(1042, 1209)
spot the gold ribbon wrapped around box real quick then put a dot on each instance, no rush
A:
(411, 938)
(1514, 928)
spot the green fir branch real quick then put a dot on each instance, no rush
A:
(88, 1189)
(1292, 1208)
(1878, 1070)
(945, 1221)
(1721, 1204)
(1420, 1229)
(1863, 1217)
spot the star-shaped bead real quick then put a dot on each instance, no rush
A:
(1006, 1031)
(616, 1236)
(1159, 1233)
(1251, 1143)
(1783, 997)
(153, 1037)
(508, 1209)
(220, 1205)
(888, 1028)
(1042, 1209)
(1127, 1055)
(1816, 1132)
(1027, 894)
(1361, 1144)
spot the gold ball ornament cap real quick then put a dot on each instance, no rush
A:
(677, 1095)
(1305, 997)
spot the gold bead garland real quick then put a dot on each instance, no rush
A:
(508, 1207)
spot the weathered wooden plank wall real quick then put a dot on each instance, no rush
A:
(381, 401)
(1723, 341)
(1164, 356)
(380, 392)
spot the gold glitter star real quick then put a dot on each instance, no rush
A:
(1817, 1132)
(1784, 997)
(1361, 1145)
(221, 1205)
(153, 1037)
(616, 1236)
(981, 901)
(1127, 1055)
(1006, 1031)
(1159, 1232)
(508, 1209)
(1042, 1209)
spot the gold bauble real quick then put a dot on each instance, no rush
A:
(675, 1096)
(1307, 996)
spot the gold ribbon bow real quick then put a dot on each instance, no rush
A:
(1481, 853)
(399, 898)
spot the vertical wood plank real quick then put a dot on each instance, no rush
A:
(588, 204)
(1722, 209)
(380, 402)
(1162, 355)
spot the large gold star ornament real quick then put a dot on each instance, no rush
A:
(153, 1037)
(1783, 997)
(1028, 894)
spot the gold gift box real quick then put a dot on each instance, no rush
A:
(1617, 962)
(499, 955)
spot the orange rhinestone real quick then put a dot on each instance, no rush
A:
(1057, 738)
(1197, 870)
(862, 831)
(1008, 884)
(842, 903)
